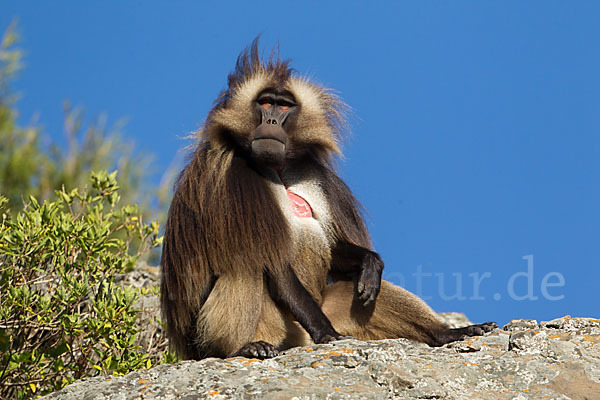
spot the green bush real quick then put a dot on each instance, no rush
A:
(62, 317)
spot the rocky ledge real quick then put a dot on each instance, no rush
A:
(558, 359)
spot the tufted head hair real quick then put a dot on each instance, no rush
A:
(320, 119)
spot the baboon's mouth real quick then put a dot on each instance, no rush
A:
(268, 151)
(268, 139)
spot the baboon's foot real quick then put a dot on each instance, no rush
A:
(258, 349)
(331, 338)
(454, 334)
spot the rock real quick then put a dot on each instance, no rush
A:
(520, 325)
(559, 359)
(151, 337)
(455, 319)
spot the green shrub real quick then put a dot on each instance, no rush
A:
(62, 317)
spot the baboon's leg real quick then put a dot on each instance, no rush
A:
(229, 317)
(396, 313)
(277, 327)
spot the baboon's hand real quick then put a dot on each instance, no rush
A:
(332, 338)
(369, 280)
(258, 349)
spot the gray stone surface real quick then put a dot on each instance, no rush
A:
(558, 359)
(151, 337)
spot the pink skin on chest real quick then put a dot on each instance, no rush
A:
(300, 206)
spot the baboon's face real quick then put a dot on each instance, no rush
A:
(275, 120)
(276, 111)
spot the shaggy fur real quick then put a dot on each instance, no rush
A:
(233, 247)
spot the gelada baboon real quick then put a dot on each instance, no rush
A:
(265, 247)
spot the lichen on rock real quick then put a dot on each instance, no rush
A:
(558, 359)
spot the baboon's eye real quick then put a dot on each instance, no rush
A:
(265, 102)
(285, 105)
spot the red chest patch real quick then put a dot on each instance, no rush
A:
(299, 205)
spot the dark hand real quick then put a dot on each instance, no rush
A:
(258, 349)
(369, 280)
(327, 338)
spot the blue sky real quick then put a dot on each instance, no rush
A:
(476, 125)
